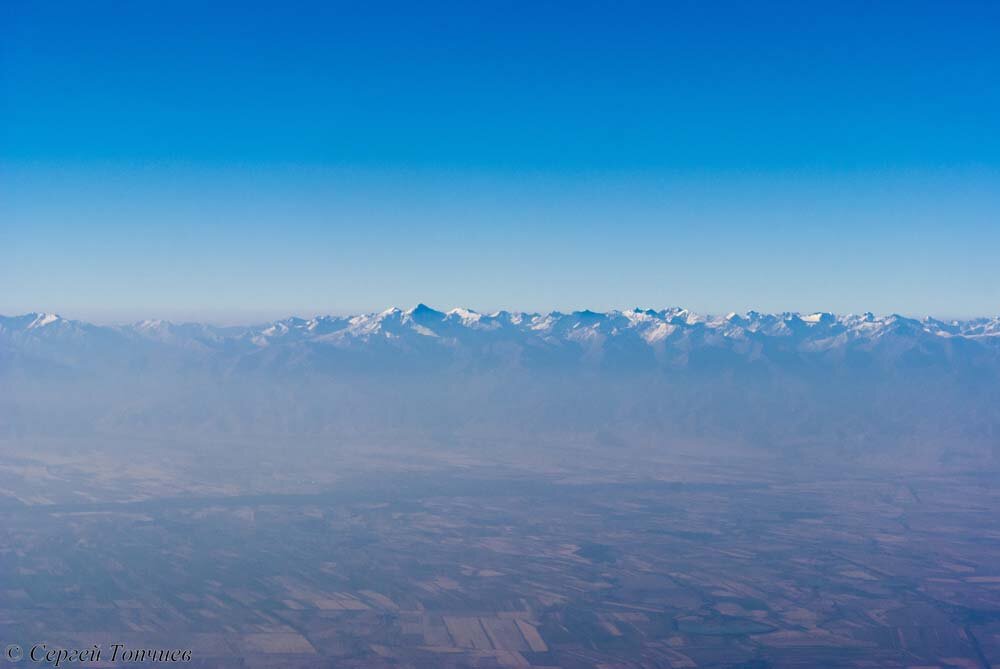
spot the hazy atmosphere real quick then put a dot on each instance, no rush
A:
(538, 335)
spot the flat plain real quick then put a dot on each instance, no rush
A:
(383, 560)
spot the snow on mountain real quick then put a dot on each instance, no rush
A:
(42, 320)
(669, 336)
(787, 380)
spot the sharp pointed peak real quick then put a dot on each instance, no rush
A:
(422, 308)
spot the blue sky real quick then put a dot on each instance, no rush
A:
(242, 161)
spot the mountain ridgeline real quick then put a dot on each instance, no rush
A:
(850, 387)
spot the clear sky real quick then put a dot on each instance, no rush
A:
(250, 160)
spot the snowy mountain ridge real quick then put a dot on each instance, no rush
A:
(430, 339)
(649, 325)
(856, 383)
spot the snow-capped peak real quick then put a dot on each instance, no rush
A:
(41, 320)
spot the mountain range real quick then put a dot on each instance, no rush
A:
(850, 387)
(665, 338)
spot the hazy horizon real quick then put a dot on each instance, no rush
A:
(601, 468)
(250, 318)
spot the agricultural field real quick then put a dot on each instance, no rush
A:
(460, 564)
